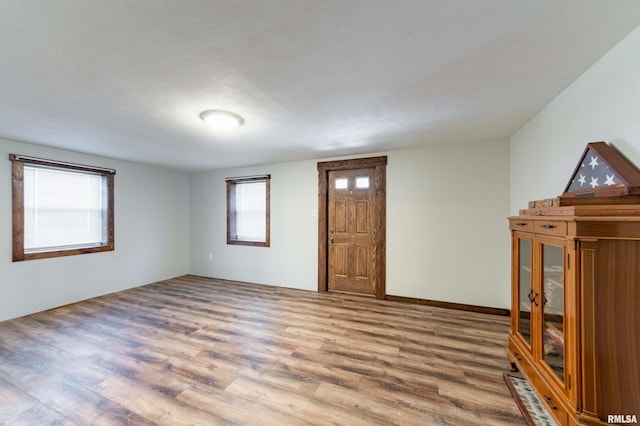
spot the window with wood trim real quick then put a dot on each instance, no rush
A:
(60, 209)
(248, 210)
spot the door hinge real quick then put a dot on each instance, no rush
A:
(568, 260)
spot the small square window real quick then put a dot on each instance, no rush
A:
(362, 182)
(342, 183)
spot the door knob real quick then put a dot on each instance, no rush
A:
(331, 240)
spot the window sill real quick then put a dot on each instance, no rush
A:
(17, 257)
(248, 243)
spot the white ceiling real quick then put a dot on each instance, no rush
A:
(312, 78)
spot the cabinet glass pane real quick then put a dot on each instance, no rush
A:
(553, 308)
(524, 284)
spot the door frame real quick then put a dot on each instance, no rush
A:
(379, 217)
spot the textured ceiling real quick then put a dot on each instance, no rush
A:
(128, 79)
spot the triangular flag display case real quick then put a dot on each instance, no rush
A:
(575, 293)
(603, 177)
(603, 172)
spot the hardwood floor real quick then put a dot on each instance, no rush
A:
(195, 350)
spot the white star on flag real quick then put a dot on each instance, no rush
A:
(582, 179)
(610, 180)
(594, 162)
(594, 182)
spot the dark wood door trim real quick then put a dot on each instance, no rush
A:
(379, 217)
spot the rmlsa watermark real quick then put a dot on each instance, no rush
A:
(622, 418)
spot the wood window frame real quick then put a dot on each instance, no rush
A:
(380, 216)
(17, 185)
(231, 183)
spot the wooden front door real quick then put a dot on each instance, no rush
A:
(351, 226)
(350, 234)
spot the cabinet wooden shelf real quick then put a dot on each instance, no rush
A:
(575, 321)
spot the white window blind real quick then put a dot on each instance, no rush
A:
(63, 209)
(251, 210)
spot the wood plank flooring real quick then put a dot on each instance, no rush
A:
(195, 350)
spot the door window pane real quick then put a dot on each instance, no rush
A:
(362, 182)
(342, 183)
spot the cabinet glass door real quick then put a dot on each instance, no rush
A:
(525, 291)
(553, 308)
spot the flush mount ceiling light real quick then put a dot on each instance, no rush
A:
(221, 120)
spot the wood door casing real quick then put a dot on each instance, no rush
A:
(361, 254)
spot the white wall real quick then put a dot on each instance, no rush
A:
(447, 232)
(447, 236)
(291, 260)
(151, 237)
(602, 105)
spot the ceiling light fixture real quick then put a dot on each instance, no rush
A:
(221, 120)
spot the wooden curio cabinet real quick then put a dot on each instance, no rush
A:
(575, 318)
